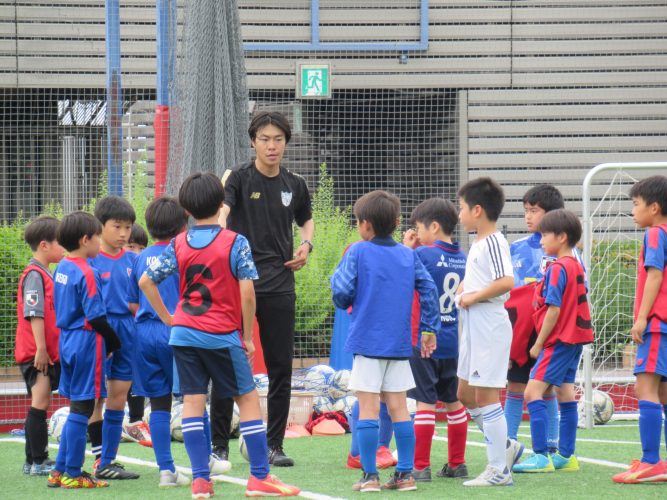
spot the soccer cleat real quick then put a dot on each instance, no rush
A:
(367, 483)
(54, 479)
(270, 486)
(384, 458)
(422, 476)
(535, 463)
(460, 471)
(401, 481)
(42, 469)
(217, 466)
(640, 472)
(513, 451)
(26, 468)
(138, 432)
(170, 479)
(492, 477)
(114, 471)
(201, 488)
(353, 462)
(278, 458)
(565, 464)
(84, 481)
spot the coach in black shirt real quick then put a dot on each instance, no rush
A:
(262, 201)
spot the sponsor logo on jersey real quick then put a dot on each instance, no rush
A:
(255, 195)
(286, 198)
(61, 278)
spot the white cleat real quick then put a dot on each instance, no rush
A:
(217, 466)
(514, 450)
(492, 477)
(170, 479)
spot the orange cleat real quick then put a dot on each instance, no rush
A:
(201, 488)
(353, 462)
(270, 486)
(384, 458)
(54, 479)
(640, 472)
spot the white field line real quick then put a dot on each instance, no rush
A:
(582, 440)
(186, 470)
(595, 461)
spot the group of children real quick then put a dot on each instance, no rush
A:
(427, 322)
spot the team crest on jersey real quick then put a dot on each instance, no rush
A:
(106, 275)
(286, 198)
(129, 271)
(32, 298)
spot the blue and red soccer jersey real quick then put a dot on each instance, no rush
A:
(446, 264)
(114, 273)
(77, 299)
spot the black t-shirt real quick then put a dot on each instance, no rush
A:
(263, 209)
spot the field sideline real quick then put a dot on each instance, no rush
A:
(603, 451)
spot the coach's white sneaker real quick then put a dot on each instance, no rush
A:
(218, 466)
(492, 477)
(514, 450)
(170, 479)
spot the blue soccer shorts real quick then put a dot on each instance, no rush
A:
(228, 368)
(153, 360)
(557, 364)
(82, 365)
(119, 366)
(435, 379)
(652, 355)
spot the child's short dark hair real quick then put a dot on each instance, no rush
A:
(436, 210)
(75, 226)
(381, 209)
(201, 194)
(265, 118)
(652, 190)
(486, 193)
(43, 228)
(561, 221)
(545, 196)
(138, 235)
(114, 207)
(165, 218)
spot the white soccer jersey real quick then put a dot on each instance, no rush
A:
(488, 260)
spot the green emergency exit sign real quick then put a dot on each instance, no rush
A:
(313, 81)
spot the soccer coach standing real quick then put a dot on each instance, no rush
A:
(262, 201)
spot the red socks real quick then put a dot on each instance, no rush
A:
(457, 433)
(424, 429)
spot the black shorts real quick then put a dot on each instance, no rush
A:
(29, 373)
(520, 374)
(435, 379)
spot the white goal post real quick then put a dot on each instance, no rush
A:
(610, 212)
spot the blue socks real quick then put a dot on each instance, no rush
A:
(111, 429)
(405, 444)
(650, 422)
(195, 444)
(568, 428)
(61, 457)
(538, 425)
(367, 432)
(160, 433)
(354, 419)
(386, 428)
(513, 412)
(553, 422)
(254, 435)
(75, 430)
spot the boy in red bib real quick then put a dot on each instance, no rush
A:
(563, 322)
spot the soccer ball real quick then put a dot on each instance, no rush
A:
(344, 404)
(603, 407)
(243, 449)
(235, 428)
(322, 404)
(175, 423)
(339, 384)
(57, 422)
(412, 406)
(317, 378)
(261, 381)
(147, 413)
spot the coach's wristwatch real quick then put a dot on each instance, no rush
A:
(309, 243)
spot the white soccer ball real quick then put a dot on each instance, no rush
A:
(603, 409)
(235, 426)
(243, 449)
(317, 379)
(345, 404)
(322, 404)
(261, 381)
(57, 422)
(175, 425)
(339, 386)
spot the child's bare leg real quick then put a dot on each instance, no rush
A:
(466, 394)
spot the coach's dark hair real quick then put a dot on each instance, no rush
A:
(381, 209)
(201, 194)
(562, 221)
(43, 228)
(436, 210)
(138, 236)
(486, 193)
(652, 190)
(116, 208)
(165, 218)
(545, 196)
(75, 226)
(265, 118)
